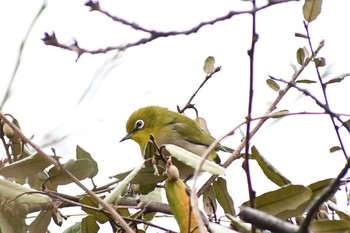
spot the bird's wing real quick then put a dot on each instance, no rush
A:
(193, 133)
(196, 135)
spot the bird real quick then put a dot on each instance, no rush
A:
(169, 127)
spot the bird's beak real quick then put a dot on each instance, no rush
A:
(128, 136)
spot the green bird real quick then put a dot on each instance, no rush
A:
(169, 127)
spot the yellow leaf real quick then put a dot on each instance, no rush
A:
(179, 202)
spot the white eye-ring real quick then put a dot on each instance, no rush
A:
(139, 124)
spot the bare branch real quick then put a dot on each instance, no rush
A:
(50, 39)
(323, 87)
(189, 104)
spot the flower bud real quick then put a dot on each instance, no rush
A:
(173, 173)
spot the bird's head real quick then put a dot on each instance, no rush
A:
(144, 122)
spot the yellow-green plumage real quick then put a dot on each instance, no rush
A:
(169, 127)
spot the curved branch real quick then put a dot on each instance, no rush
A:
(51, 39)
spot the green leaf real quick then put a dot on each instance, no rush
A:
(338, 78)
(194, 160)
(89, 201)
(83, 154)
(12, 190)
(223, 197)
(36, 181)
(155, 196)
(145, 176)
(41, 222)
(301, 56)
(81, 169)
(5, 224)
(284, 202)
(306, 81)
(147, 188)
(273, 85)
(334, 149)
(320, 61)
(28, 166)
(269, 170)
(16, 143)
(319, 186)
(124, 212)
(89, 225)
(209, 65)
(311, 9)
(209, 201)
(316, 188)
(330, 226)
(75, 228)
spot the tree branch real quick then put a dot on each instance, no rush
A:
(333, 187)
(251, 53)
(117, 218)
(323, 87)
(281, 94)
(51, 39)
(266, 221)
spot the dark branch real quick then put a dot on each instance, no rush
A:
(266, 221)
(50, 39)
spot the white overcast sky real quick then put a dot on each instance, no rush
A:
(166, 72)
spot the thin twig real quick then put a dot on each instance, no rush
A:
(51, 39)
(188, 104)
(323, 87)
(318, 102)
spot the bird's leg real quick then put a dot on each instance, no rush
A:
(157, 154)
(163, 155)
(154, 165)
(158, 149)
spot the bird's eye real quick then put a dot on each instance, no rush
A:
(139, 124)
